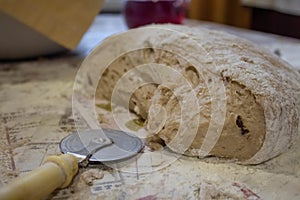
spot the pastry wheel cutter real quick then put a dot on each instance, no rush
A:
(105, 145)
(79, 148)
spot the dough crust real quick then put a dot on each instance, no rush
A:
(261, 91)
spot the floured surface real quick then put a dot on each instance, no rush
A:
(34, 135)
(35, 114)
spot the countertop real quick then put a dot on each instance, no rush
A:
(36, 113)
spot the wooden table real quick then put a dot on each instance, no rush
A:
(35, 114)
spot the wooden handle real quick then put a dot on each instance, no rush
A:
(56, 172)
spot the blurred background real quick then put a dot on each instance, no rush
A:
(31, 28)
(273, 16)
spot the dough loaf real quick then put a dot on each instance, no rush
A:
(261, 92)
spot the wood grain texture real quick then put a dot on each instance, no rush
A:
(62, 21)
(229, 12)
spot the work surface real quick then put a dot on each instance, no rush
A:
(36, 113)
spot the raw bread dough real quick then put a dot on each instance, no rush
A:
(261, 92)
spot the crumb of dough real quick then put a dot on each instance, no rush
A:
(90, 175)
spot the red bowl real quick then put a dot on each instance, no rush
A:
(142, 12)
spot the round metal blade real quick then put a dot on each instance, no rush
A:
(82, 143)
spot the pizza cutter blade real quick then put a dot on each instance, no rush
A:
(113, 146)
